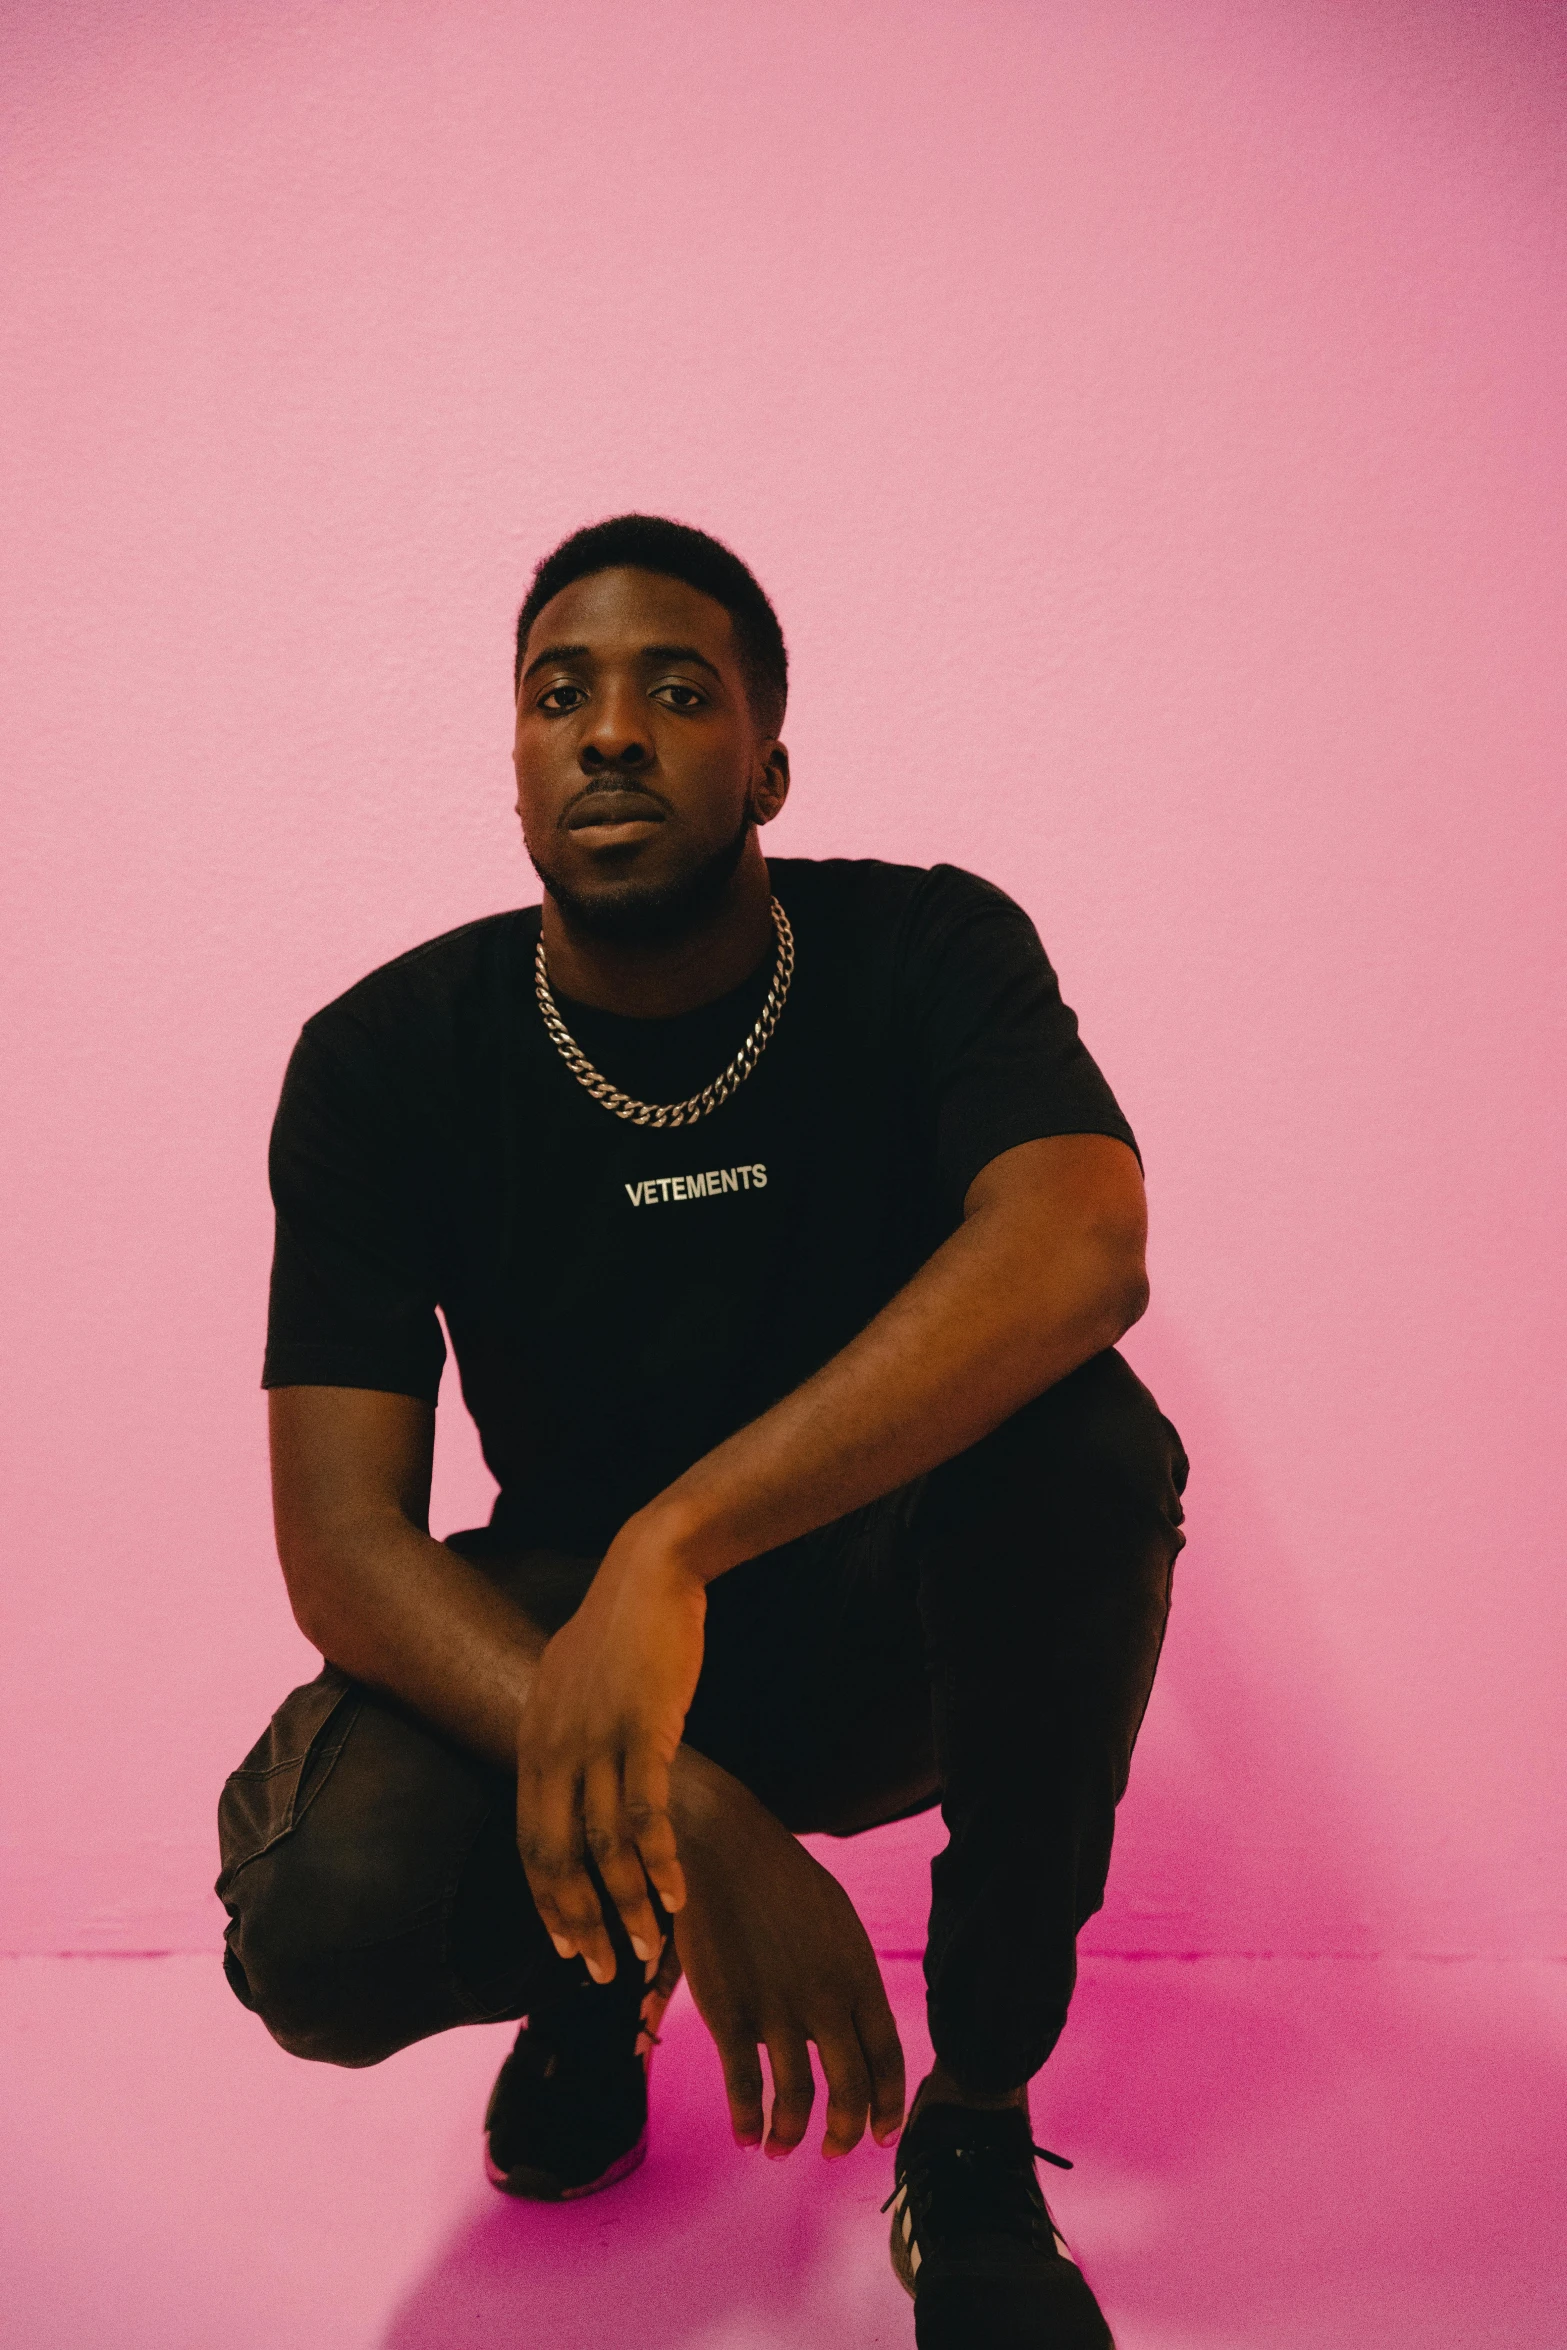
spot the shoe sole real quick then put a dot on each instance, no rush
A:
(532, 2186)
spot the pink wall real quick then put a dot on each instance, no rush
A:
(1149, 419)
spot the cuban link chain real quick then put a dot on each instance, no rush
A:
(712, 1096)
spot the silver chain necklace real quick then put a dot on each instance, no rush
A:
(712, 1096)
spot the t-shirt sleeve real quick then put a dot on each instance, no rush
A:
(353, 1290)
(998, 1052)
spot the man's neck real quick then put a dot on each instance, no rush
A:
(658, 980)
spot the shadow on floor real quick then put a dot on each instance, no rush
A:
(1297, 2153)
(704, 2245)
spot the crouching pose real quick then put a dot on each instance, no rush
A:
(783, 1230)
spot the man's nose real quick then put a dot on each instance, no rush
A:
(618, 736)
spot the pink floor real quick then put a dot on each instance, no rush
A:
(1294, 2154)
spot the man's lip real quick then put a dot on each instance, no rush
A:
(601, 809)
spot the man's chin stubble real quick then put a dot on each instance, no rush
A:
(638, 913)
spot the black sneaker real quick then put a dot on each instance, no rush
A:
(568, 2112)
(974, 2243)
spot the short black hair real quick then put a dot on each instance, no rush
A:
(647, 542)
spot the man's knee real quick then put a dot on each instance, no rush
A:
(1095, 1445)
(1114, 1432)
(341, 1863)
(1100, 1428)
(322, 1946)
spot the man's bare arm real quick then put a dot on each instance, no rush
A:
(1046, 1270)
(368, 1586)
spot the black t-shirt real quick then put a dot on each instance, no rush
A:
(620, 1299)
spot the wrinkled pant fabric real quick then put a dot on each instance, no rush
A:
(986, 1636)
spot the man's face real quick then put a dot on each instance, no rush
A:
(640, 768)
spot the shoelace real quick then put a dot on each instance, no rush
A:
(982, 2186)
(570, 2038)
(566, 2090)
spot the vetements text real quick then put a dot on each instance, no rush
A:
(710, 1185)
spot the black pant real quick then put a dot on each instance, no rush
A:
(987, 1635)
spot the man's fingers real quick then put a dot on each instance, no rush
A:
(646, 1784)
(617, 1860)
(544, 1839)
(742, 2079)
(848, 2091)
(549, 1838)
(878, 2037)
(794, 2091)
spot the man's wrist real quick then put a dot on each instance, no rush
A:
(696, 1793)
(705, 1801)
(684, 1537)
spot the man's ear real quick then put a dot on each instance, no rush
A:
(770, 788)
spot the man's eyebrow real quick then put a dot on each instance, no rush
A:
(681, 653)
(558, 653)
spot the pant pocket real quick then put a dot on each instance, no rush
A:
(284, 1771)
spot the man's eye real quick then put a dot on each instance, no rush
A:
(561, 698)
(680, 697)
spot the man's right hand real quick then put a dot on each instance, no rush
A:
(776, 1958)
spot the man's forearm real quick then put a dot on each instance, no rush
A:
(996, 1316)
(400, 1611)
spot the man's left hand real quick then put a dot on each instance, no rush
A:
(595, 1744)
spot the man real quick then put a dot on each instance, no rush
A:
(783, 1230)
